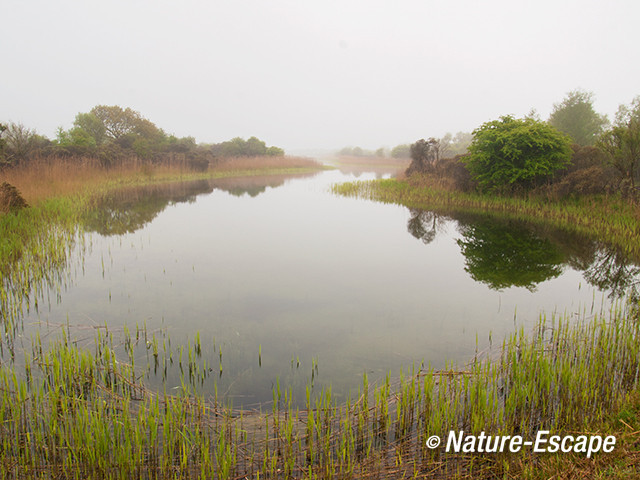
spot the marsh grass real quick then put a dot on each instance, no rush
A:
(76, 411)
(610, 219)
(45, 178)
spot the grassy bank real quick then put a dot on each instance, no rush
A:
(609, 219)
(82, 412)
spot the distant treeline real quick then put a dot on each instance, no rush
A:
(112, 134)
(450, 145)
(576, 151)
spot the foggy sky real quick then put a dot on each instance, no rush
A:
(305, 74)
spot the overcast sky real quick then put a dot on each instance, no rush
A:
(313, 74)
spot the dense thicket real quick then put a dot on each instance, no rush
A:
(112, 134)
(518, 155)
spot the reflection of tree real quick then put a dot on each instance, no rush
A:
(611, 271)
(252, 192)
(423, 225)
(506, 254)
(254, 185)
(127, 210)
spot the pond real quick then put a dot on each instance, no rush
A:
(281, 282)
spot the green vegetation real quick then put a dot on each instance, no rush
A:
(238, 147)
(75, 410)
(401, 151)
(576, 117)
(113, 135)
(611, 220)
(84, 411)
(526, 170)
(622, 143)
(511, 152)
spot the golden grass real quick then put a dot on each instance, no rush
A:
(44, 178)
(56, 177)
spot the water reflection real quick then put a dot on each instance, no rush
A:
(423, 225)
(506, 254)
(611, 271)
(509, 253)
(255, 185)
(129, 209)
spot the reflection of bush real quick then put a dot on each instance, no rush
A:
(506, 254)
(128, 210)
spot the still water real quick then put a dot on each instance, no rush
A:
(286, 282)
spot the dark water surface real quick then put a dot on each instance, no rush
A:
(282, 276)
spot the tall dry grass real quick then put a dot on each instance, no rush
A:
(44, 178)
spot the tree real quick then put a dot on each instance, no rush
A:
(76, 138)
(92, 126)
(3, 142)
(576, 117)
(21, 142)
(118, 123)
(238, 147)
(255, 147)
(275, 151)
(450, 145)
(401, 151)
(622, 141)
(513, 152)
(424, 155)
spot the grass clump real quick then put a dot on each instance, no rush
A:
(84, 413)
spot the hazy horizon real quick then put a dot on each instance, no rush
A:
(313, 77)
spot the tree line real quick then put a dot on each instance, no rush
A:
(449, 145)
(576, 151)
(112, 134)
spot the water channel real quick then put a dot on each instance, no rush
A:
(285, 282)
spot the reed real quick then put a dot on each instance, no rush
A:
(87, 413)
(44, 178)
